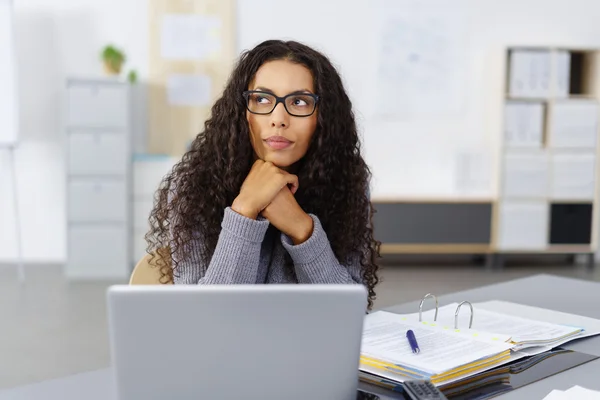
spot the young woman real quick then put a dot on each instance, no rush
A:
(275, 189)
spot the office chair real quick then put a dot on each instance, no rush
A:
(146, 274)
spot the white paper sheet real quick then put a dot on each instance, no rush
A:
(189, 90)
(555, 395)
(189, 36)
(518, 328)
(473, 171)
(581, 393)
(422, 57)
(394, 378)
(575, 392)
(384, 338)
(591, 326)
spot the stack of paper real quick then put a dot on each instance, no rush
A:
(524, 332)
(446, 355)
(501, 333)
(576, 392)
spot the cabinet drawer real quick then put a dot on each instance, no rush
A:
(97, 200)
(97, 251)
(571, 223)
(97, 105)
(97, 153)
(438, 223)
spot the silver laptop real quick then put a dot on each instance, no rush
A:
(236, 341)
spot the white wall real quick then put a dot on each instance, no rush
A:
(57, 38)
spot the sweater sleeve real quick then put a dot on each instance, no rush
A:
(315, 262)
(236, 257)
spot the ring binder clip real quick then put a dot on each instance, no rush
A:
(421, 305)
(457, 311)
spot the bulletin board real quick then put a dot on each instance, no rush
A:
(192, 51)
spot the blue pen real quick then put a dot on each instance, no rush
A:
(410, 335)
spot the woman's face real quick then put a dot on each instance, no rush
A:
(279, 137)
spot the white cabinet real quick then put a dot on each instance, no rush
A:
(148, 171)
(98, 167)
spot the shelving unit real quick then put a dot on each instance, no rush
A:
(548, 194)
(98, 148)
(547, 198)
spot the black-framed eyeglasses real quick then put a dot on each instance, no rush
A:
(296, 104)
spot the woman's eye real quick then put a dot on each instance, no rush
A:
(261, 99)
(299, 102)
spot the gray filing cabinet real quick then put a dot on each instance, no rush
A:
(98, 148)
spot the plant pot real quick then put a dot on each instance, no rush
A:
(112, 68)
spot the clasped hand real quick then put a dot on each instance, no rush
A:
(269, 191)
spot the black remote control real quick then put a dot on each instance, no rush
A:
(422, 390)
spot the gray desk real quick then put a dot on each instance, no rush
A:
(561, 294)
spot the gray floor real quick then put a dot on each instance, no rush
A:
(51, 328)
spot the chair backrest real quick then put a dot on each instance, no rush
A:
(146, 274)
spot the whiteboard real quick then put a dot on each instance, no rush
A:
(420, 149)
(8, 77)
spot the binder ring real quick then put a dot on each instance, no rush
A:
(457, 311)
(421, 306)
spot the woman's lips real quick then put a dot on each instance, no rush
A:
(278, 142)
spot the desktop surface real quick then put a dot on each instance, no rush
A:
(578, 296)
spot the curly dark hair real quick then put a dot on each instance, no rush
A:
(334, 178)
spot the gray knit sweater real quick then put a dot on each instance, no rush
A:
(252, 251)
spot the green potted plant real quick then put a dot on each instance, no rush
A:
(113, 59)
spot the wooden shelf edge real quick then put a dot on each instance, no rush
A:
(474, 248)
(397, 248)
(551, 249)
(431, 200)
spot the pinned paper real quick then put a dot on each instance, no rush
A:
(189, 90)
(190, 37)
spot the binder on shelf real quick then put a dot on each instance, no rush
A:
(530, 73)
(523, 124)
(562, 74)
(452, 350)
